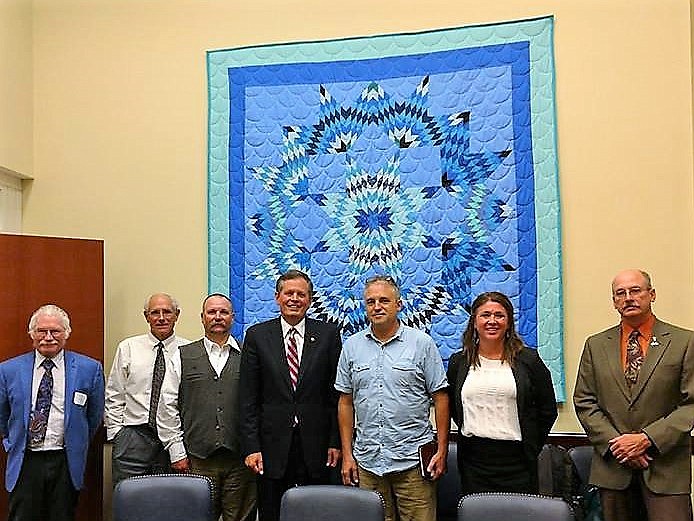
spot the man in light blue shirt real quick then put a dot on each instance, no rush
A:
(388, 375)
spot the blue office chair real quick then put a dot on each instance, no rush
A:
(163, 497)
(493, 506)
(331, 503)
(448, 489)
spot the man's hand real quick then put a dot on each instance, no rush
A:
(255, 462)
(182, 465)
(629, 447)
(437, 465)
(350, 471)
(638, 463)
(333, 457)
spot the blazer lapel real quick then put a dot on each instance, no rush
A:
(27, 377)
(613, 355)
(658, 345)
(275, 340)
(70, 379)
(308, 354)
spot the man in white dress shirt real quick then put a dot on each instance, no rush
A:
(130, 410)
(198, 419)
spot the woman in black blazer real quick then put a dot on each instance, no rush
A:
(502, 401)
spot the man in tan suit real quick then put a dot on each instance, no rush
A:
(634, 397)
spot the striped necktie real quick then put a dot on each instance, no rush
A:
(293, 357)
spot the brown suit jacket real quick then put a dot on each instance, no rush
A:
(661, 404)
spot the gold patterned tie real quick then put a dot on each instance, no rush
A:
(634, 358)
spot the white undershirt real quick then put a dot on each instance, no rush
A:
(489, 402)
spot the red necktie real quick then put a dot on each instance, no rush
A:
(293, 357)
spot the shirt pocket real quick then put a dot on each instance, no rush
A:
(362, 376)
(406, 373)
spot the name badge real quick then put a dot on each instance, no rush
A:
(79, 398)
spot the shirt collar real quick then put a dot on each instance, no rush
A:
(646, 329)
(39, 358)
(167, 341)
(231, 343)
(300, 327)
(396, 335)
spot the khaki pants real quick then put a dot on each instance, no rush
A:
(234, 485)
(406, 492)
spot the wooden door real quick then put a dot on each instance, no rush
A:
(69, 273)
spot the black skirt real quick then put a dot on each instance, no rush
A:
(487, 465)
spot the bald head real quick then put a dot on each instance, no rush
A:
(161, 313)
(632, 296)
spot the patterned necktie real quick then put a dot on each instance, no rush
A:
(157, 379)
(634, 358)
(293, 357)
(39, 416)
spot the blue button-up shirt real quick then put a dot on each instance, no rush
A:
(391, 384)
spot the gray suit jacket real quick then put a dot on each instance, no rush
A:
(661, 404)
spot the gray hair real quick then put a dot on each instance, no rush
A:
(50, 310)
(647, 277)
(174, 302)
(383, 279)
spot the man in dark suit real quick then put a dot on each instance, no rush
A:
(289, 429)
(51, 404)
(634, 397)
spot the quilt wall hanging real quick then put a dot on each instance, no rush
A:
(430, 157)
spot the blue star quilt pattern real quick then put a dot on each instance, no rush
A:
(429, 157)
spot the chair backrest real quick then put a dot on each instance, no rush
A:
(501, 506)
(448, 491)
(165, 497)
(582, 457)
(331, 503)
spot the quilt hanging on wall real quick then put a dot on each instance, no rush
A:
(429, 157)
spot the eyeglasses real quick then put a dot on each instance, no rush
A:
(487, 315)
(43, 333)
(156, 313)
(635, 292)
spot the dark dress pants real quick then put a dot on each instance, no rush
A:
(44, 491)
(270, 491)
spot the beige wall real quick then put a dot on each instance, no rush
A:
(119, 135)
(16, 94)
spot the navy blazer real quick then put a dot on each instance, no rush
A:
(269, 404)
(82, 374)
(537, 406)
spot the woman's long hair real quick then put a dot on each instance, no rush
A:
(512, 342)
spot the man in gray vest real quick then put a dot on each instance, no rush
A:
(198, 417)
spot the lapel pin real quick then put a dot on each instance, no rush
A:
(654, 342)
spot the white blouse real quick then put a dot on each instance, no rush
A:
(489, 402)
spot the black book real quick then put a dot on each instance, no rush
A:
(426, 452)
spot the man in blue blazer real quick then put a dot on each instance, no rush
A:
(51, 404)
